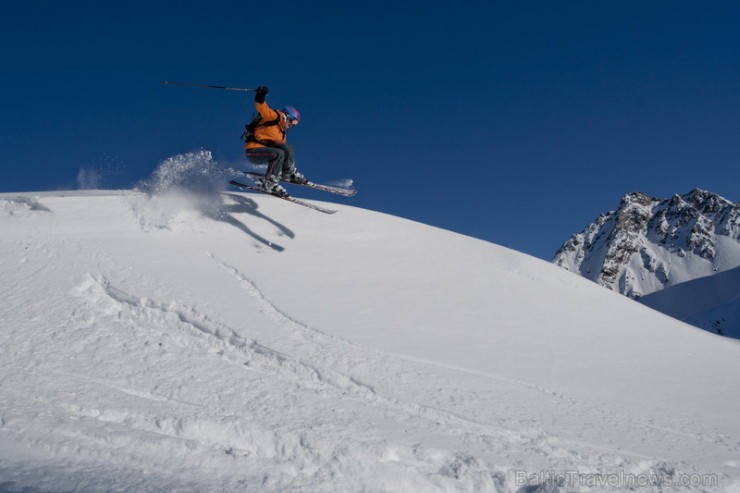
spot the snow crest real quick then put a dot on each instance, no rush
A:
(22, 206)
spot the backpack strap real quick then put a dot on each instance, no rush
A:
(257, 121)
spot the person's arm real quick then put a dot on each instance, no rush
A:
(267, 113)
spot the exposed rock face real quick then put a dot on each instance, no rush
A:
(648, 244)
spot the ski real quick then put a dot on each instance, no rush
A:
(345, 192)
(284, 197)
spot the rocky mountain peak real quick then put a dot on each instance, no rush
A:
(648, 243)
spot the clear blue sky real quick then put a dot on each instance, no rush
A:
(514, 122)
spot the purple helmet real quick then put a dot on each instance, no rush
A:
(292, 113)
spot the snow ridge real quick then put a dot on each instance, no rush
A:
(21, 206)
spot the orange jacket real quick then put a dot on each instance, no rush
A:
(269, 134)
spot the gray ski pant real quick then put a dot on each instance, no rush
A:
(279, 158)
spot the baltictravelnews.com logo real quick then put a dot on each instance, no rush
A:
(668, 479)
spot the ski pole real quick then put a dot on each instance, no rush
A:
(243, 89)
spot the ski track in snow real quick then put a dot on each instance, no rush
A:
(215, 338)
(323, 340)
(287, 321)
(537, 440)
(255, 357)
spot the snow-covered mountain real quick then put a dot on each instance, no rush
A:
(199, 340)
(647, 245)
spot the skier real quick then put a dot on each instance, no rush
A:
(266, 143)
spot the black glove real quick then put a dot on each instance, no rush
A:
(261, 94)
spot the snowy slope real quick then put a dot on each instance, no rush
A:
(208, 341)
(711, 302)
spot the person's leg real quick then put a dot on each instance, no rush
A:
(288, 159)
(274, 158)
(289, 172)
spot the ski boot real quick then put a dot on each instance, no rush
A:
(293, 176)
(270, 185)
